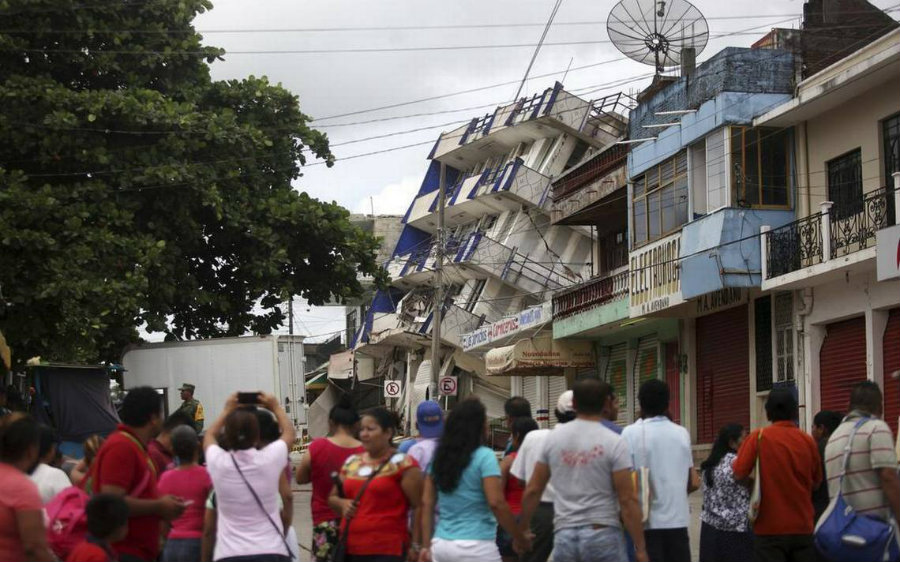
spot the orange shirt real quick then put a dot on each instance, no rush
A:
(380, 523)
(791, 469)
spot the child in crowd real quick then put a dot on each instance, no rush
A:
(107, 523)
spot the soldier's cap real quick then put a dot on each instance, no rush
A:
(187, 386)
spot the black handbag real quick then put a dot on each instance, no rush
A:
(339, 553)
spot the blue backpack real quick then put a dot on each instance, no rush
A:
(843, 535)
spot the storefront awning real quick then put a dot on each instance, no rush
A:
(318, 382)
(539, 356)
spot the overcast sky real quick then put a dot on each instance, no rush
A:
(337, 83)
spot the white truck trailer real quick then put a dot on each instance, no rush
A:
(219, 367)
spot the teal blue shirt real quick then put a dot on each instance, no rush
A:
(465, 514)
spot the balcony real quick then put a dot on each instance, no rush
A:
(591, 305)
(547, 114)
(583, 194)
(476, 257)
(504, 188)
(825, 242)
(405, 328)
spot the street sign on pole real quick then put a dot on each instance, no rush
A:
(392, 389)
(448, 386)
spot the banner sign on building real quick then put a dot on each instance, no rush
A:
(539, 356)
(528, 318)
(888, 253)
(655, 282)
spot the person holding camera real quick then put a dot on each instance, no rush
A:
(246, 481)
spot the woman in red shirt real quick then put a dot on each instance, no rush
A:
(191, 482)
(378, 488)
(325, 456)
(512, 487)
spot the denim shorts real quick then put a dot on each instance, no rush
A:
(589, 544)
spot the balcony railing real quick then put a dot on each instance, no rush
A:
(857, 231)
(794, 246)
(823, 236)
(591, 294)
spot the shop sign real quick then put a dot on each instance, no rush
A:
(720, 300)
(528, 318)
(655, 277)
(887, 255)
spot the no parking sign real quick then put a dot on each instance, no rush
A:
(447, 386)
(392, 389)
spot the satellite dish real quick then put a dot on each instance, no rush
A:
(655, 32)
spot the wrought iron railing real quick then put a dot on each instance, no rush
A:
(590, 294)
(856, 232)
(794, 246)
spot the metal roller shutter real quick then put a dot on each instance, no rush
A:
(617, 375)
(530, 393)
(556, 385)
(891, 349)
(492, 397)
(842, 363)
(646, 367)
(723, 372)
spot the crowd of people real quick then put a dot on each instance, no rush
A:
(587, 490)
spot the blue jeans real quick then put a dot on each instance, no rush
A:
(589, 544)
(181, 550)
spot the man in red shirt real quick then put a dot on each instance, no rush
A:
(790, 469)
(160, 447)
(124, 468)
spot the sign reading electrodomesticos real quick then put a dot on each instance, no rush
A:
(528, 318)
(655, 282)
(887, 255)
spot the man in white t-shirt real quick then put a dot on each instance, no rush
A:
(665, 448)
(590, 469)
(49, 479)
(523, 467)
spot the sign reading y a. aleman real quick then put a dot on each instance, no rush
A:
(655, 282)
(888, 253)
(528, 318)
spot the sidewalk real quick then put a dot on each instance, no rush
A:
(303, 521)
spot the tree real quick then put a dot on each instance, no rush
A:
(135, 190)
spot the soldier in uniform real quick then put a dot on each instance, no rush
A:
(191, 406)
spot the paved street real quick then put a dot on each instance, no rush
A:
(303, 522)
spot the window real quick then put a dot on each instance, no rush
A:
(762, 314)
(760, 166)
(477, 287)
(784, 337)
(845, 185)
(716, 166)
(697, 154)
(660, 199)
(891, 134)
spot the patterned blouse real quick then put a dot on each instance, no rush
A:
(726, 503)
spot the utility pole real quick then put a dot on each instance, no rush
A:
(438, 303)
(290, 304)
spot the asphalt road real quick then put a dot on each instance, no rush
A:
(303, 521)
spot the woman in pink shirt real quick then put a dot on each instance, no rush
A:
(22, 533)
(192, 483)
(325, 456)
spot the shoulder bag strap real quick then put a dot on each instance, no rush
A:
(848, 448)
(369, 481)
(259, 502)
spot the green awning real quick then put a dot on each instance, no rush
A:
(318, 382)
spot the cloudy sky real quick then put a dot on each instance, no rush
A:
(428, 50)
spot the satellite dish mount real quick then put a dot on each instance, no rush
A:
(656, 32)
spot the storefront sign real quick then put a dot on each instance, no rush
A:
(528, 318)
(888, 253)
(720, 300)
(655, 280)
(539, 356)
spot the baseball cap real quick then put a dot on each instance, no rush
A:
(564, 404)
(430, 419)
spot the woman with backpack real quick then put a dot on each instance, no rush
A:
(22, 533)
(246, 481)
(725, 526)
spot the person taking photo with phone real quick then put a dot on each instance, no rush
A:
(246, 481)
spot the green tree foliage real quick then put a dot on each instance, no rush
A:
(134, 189)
